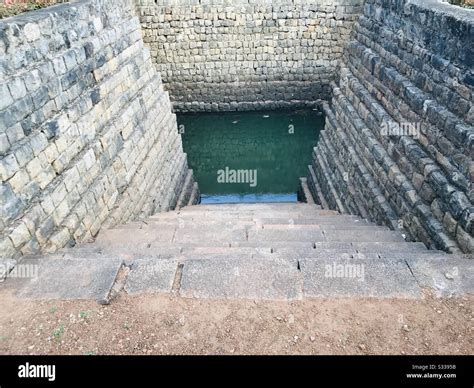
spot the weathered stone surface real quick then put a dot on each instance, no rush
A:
(280, 270)
(447, 276)
(270, 235)
(241, 278)
(396, 146)
(72, 279)
(336, 277)
(86, 128)
(252, 56)
(151, 275)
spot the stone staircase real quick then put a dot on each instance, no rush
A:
(257, 251)
(420, 181)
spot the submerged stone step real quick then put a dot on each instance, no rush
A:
(242, 278)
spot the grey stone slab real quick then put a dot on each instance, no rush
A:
(358, 278)
(124, 237)
(447, 276)
(126, 253)
(362, 236)
(194, 224)
(71, 279)
(311, 253)
(289, 234)
(323, 226)
(250, 251)
(151, 275)
(209, 236)
(389, 245)
(274, 245)
(276, 207)
(241, 278)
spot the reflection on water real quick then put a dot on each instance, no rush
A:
(250, 156)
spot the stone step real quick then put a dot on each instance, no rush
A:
(185, 223)
(186, 191)
(315, 188)
(293, 206)
(332, 197)
(299, 220)
(268, 235)
(151, 275)
(358, 278)
(156, 250)
(362, 235)
(275, 279)
(125, 251)
(209, 236)
(110, 237)
(264, 235)
(201, 250)
(274, 245)
(229, 225)
(227, 215)
(447, 277)
(335, 253)
(195, 196)
(304, 193)
(394, 245)
(305, 210)
(324, 226)
(58, 278)
(340, 219)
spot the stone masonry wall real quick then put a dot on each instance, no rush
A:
(87, 137)
(246, 54)
(398, 143)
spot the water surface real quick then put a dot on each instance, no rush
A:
(249, 156)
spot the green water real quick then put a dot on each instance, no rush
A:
(249, 156)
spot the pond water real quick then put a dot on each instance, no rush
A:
(254, 156)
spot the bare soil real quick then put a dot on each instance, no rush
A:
(167, 324)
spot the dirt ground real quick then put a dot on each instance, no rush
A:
(166, 324)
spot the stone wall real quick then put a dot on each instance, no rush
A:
(87, 137)
(246, 54)
(398, 142)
